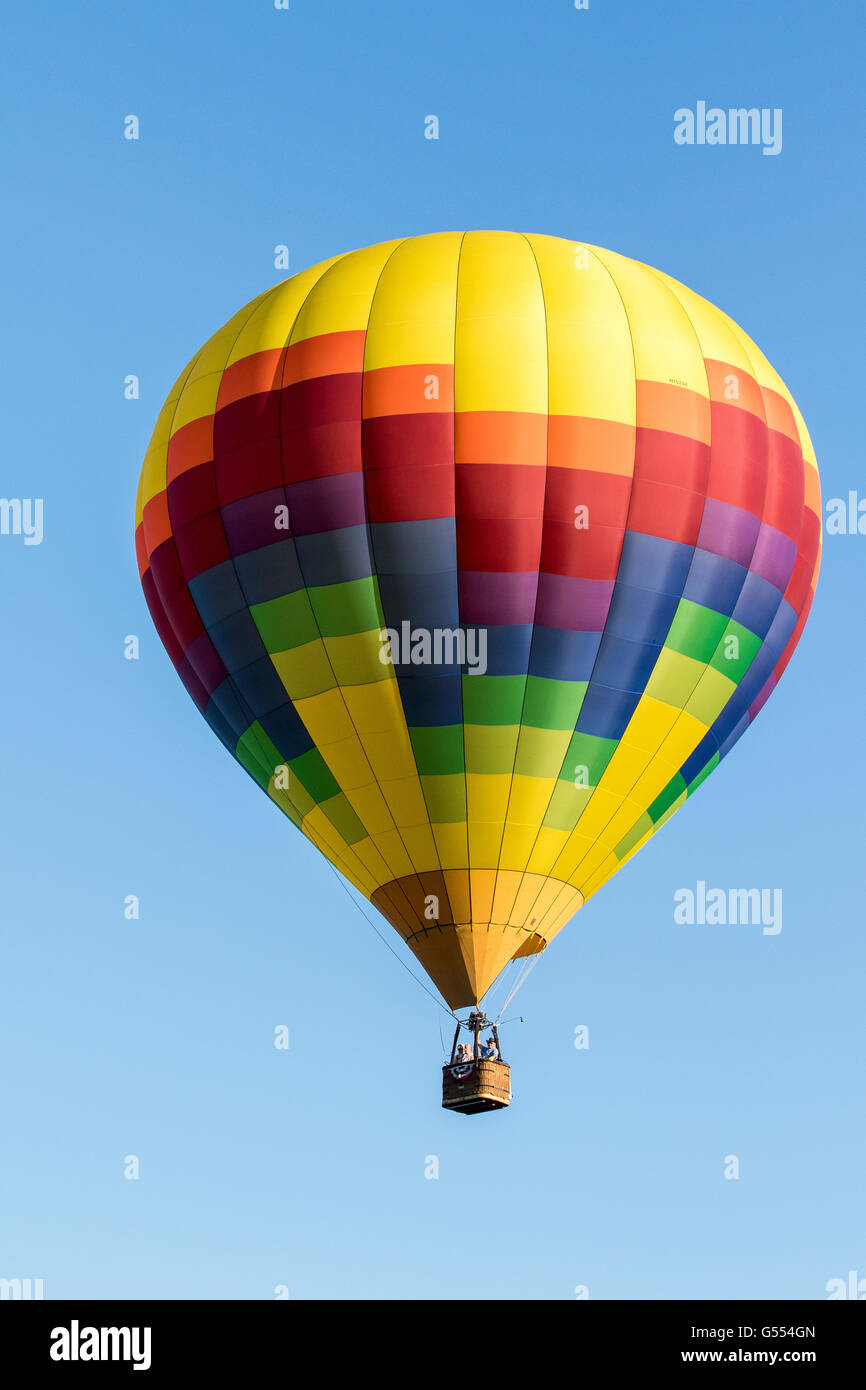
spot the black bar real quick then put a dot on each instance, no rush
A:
(214, 1339)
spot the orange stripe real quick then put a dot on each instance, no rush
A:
(500, 436)
(407, 390)
(155, 522)
(812, 496)
(261, 371)
(192, 445)
(734, 386)
(141, 554)
(676, 409)
(325, 355)
(779, 414)
(603, 446)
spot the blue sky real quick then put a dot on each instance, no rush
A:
(306, 1168)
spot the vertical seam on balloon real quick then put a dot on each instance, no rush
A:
(374, 573)
(188, 380)
(338, 260)
(685, 580)
(663, 282)
(184, 378)
(743, 342)
(765, 444)
(257, 748)
(549, 910)
(457, 577)
(535, 605)
(236, 691)
(336, 685)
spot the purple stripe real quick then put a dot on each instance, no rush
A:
(327, 504)
(576, 605)
(774, 557)
(728, 531)
(761, 699)
(251, 522)
(493, 597)
(202, 657)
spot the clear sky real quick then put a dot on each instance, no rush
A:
(154, 1038)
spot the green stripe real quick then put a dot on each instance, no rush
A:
(590, 752)
(552, 704)
(343, 609)
(313, 773)
(438, 749)
(285, 622)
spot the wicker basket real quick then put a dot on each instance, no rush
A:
(471, 1087)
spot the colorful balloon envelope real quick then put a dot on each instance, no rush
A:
(479, 551)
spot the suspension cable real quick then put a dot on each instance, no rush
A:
(521, 980)
(338, 876)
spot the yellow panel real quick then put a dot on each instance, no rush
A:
(530, 798)
(501, 344)
(487, 796)
(339, 302)
(540, 752)
(405, 800)
(485, 838)
(215, 353)
(348, 763)
(713, 328)
(672, 676)
(602, 806)
(412, 318)
(355, 658)
(682, 740)
(199, 399)
(649, 724)
(710, 695)
(390, 755)
(326, 719)
(547, 848)
(653, 782)
(377, 707)
(452, 844)
(591, 359)
(665, 346)
(624, 768)
(517, 842)
(620, 824)
(589, 862)
(370, 807)
(576, 848)
(422, 848)
(304, 670)
(271, 325)
(392, 849)
(371, 857)
(318, 823)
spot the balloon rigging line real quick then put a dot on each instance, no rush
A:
(524, 976)
(384, 941)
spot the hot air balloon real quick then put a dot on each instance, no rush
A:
(479, 551)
